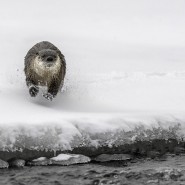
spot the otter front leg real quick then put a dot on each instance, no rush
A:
(33, 88)
(52, 90)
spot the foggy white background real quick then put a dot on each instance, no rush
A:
(98, 36)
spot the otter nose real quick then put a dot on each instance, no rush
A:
(49, 59)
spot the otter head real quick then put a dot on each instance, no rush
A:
(47, 57)
(46, 63)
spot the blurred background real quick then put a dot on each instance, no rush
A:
(98, 36)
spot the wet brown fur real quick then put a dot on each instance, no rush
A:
(53, 81)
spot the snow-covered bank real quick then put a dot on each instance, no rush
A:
(125, 73)
(88, 131)
(94, 110)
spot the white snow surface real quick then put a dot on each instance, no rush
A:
(125, 72)
(40, 159)
(63, 157)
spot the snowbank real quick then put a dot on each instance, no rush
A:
(125, 73)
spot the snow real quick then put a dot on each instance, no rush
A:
(63, 157)
(125, 71)
(40, 159)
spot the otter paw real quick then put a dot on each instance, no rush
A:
(48, 96)
(33, 90)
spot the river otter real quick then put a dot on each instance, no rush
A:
(44, 66)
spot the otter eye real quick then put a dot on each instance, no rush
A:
(37, 53)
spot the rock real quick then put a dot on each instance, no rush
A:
(16, 163)
(69, 159)
(3, 164)
(112, 157)
(179, 150)
(167, 173)
(153, 154)
(156, 181)
(41, 161)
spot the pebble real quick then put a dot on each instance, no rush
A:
(69, 159)
(112, 157)
(179, 150)
(168, 173)
(156, 181)
(3, 164)
(17, 163)
(41, 161)
(153, 154)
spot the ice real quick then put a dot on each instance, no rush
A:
(125, 73)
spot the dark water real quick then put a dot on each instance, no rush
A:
(170, 170)
(77, 175)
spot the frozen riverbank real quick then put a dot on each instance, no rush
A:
(169, 170)
(125, 74)
(87, 115)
